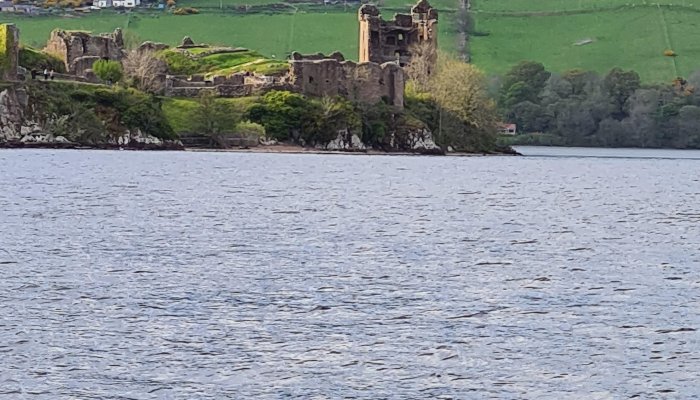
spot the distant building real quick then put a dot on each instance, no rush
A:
(7, 6)
(104, 3)
(126, 3)
(27, 9)
(509, 129)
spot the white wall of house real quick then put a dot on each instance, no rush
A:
(126, 3)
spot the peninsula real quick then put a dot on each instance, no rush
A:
(91, 90)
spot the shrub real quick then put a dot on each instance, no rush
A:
(670, 53)
(250, 129)
(108, 71)
(185, 11)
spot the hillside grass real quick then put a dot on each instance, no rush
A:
(624, 33)
(550, 6)
(631, 38)
(194, 61)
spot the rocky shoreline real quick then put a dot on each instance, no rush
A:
(263, 149)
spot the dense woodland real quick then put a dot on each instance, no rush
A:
(583, 108)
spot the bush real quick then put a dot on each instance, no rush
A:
(91, 114)
(108, 71)
(669, 53)
(185, 11)
(250, 129)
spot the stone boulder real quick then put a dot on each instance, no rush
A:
(187, 42)
(345, 141)
(414, 139)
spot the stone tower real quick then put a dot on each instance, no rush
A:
(9, 52)
(390, 41)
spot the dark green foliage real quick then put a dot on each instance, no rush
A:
(34, 59)
(620, 85)
(89, 114)
(523, 83)
(214, 119)
(291, 116)
(283, 114)
(579, 108)
(376, 120)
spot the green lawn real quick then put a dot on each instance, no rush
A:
(628, 38)
(273, 35)
(565, 5)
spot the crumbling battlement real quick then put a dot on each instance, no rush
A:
(9, 52)
(79, 50)
(384, 41)
(365, 82)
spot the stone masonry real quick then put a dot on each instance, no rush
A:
(9, 52)
(384, 41)
(79, 50)
(365, 82)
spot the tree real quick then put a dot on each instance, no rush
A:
(620, 85)
(523, 82)
(459, 90)
(423, 59)
(284, 115)
(145, 70)
(108, 71)
(214, 119)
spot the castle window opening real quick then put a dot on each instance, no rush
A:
(400, 36)
(311, 79)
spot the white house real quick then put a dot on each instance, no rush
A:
(7, 6)
(103, 3)
(509, 129)
(125, 3)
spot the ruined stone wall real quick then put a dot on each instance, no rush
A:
(386, 41)
(9, 52)
(78, 50)
(367, 83)
(231, 86)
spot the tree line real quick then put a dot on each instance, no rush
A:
(584, 108)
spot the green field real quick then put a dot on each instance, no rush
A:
(549, 6)
(622, 33)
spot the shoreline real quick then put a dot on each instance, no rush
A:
(270, 149)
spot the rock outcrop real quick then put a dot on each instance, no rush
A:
(345, 141)
(12, 106)
(413, 139)
(9, 52)
(22, 126)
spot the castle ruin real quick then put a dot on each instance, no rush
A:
(391, 41)
(366, 82)
(79, 50)
(9, 52)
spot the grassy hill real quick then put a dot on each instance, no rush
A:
(625, 33)
(616, 33)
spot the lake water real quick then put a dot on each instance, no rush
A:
(161, 275)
